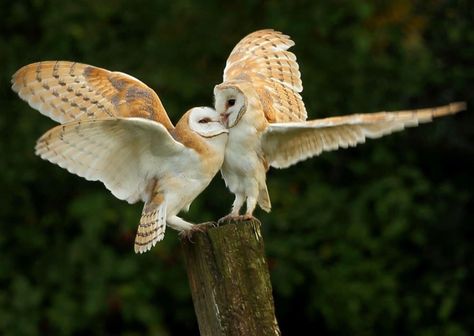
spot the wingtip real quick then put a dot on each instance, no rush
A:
(14, 81)
(20, 72)
(451, 108)
(458, 107)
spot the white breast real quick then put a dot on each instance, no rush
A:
(241, 163)
(180, 184)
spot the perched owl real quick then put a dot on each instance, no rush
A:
(259, 101)
(115, 130)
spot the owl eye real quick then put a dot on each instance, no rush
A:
(204, 120)
(231, 102)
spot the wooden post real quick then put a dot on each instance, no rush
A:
(229, 281)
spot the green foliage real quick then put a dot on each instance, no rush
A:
(371, 240)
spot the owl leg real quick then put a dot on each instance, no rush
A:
(251, 204)
(178, 223)
(234, 214)
(186, 229)
(238, 202)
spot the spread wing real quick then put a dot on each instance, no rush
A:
(123, 153)
(68, 91)
(285, 144)
(263, 59)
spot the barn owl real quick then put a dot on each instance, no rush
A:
(115, 130)
(260, 102)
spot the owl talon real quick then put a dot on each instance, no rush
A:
(247, 217)
(209, 225)
(234, 218)
(188, 234)
(227, 218)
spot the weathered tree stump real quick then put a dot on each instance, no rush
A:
(229, 280)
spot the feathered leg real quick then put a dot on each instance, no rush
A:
(186, 229)
(236, 206)
(251, 204)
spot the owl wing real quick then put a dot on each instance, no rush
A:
(68, 91)
(123, 153)
(285, 144)
(263, 59)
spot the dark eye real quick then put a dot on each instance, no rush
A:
(231, 102)
(204, 120)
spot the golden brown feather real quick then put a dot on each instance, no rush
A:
(67, 91)
(262, 58)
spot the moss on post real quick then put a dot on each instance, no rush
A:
(229, 280)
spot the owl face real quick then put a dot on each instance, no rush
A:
(205, 122)
(230, 104)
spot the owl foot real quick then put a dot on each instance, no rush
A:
(234, 218)
(188, 234)
(228, 218)
(247, 217)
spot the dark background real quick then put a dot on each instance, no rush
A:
(375, 240)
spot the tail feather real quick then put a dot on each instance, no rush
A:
(264, 199)
(151, 228)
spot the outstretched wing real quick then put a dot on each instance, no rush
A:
(285, 144)
(263, 59)
(123, 153)
(67, 91)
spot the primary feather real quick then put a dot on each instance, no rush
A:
(285, 144)
(121, 153)
(263, 59)
(68, 91)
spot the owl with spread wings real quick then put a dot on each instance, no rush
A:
(114, 129)
(260, 103)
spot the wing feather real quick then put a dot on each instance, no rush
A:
(263, 59)
(68, 91)
(123, 153)
(285, 144)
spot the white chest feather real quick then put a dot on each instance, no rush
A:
(182, 184)
(243, 168)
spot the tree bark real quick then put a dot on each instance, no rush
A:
(229, 280)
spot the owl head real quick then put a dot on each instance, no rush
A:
(205, 121)
(230, 104)
(201, 129)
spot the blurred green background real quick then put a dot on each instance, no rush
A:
(375, 240)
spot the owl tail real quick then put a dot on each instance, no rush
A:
(264, 199)
(152, 226)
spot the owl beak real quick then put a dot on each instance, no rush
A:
(225, 119)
